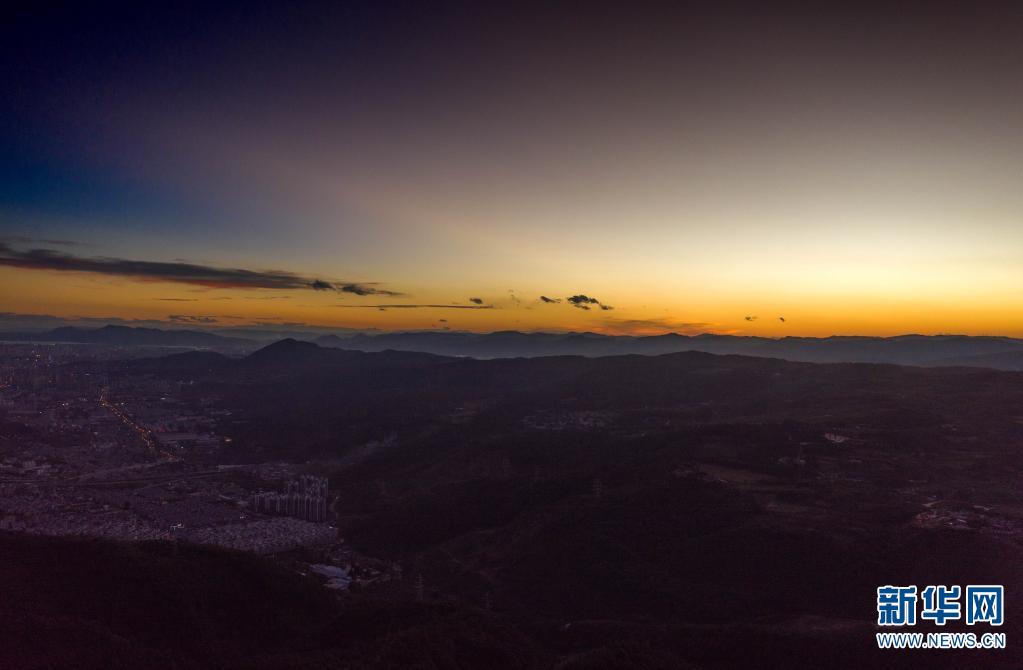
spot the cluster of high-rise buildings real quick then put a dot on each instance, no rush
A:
(302, 498)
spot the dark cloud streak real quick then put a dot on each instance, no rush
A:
(366, 289)
(21, 239)
(177, 272)
(408, 306)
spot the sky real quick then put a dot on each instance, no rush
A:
(558, 166)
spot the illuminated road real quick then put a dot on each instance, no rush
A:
(144, 433)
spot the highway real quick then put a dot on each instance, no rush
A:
(144, 433)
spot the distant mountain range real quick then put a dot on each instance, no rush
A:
(1002, 353)
(127, 336)
(995, 352)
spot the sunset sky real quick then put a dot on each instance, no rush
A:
(371, 165)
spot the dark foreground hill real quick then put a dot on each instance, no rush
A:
(84, 604)
(88, 604)
(686, 510)
(335, 399)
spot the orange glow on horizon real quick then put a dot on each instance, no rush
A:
(75, 296)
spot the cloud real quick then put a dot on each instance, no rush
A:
(15, 322)
(579, 301)
(178, 272)
(408, 306)
(185, 318)
(178, 299)
(21, 239)
(585, 302)
(366, 289)
(660, 325)
(476, 301)
(353, 288)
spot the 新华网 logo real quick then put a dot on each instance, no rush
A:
(974, 603)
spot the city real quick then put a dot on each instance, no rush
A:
(88, 450)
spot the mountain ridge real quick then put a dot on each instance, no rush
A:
(998, 352)
(910, 349)
(117, 335)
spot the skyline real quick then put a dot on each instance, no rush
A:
(852, 172)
